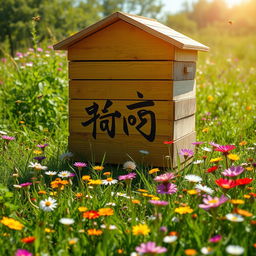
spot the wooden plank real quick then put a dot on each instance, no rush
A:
(185, 107)
(162, 109)
(183, 126)
(184, 70)
(123, 148)
(107, 89)
(122, 70)
(184, 89)
(121, 41)
(185, 55)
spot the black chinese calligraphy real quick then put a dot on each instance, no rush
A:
(106, 120)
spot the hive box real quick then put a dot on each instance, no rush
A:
(132, 86)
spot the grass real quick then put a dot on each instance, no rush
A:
(33, 95)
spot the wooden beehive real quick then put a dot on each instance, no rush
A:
(132, 86)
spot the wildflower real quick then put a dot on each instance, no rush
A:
(210, 98)
(215, 239)
(234, 217)
(233, 171)
(49, 230)
(106, 173)
(59, 183)
(105, 211)
(66, 156)
(212, 202)
(129, 165)
(142, 190)
(224, 183)
(39, 158)
(37, 166)
(168, 188)
(244, 181)
(186, 153)
(190, 252)
(183, 210)
(80, 165)
(198, 162)
(23, 252)
(91, 215)
(98, 168)
(50, 173)
(12, 223)
(158, 202)
(207, 251)
(237, 201)
(128, 176)
(225, 149)
(197, 143)
(26, 184)
(206, 149)
(213, 168)
(95, 182)
(109, 181)
(41, 192)
(64, 174)
(135, 201)
(28, 240)
(206, 129)
(66, 221)
(234, 249)
(94, 232)
(233, 157)
(215, 160)
(48, 205)
(37, 152)
(82, 209)
(249, 169)
(86, 177)
(8, 138)
(170, 239)
(164, 177)
(243, 143)
(204, 189)
(243, 212)
(110, 227)
(150, 248)
(155, 170)
(73, 241)
(140, 229)
(42, 145)
(193, 178)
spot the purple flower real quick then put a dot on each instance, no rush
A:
(26, 184)
(233, 171)
(186, 152)
(80, 164)
(212, 202)
(128, 176)
(39, 158)
(150, 248)
(164, 177)
(23, 252)
(166, 188)
(158, 202)
(42, 145)
(9, 138)
(72, 174)
(215, 239)
(163, 229)
(215, 145)
(197, 143)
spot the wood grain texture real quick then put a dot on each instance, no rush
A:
(124, 148)
(121, 41)
(180, 70)
(184, 89)
(184, 107)
(185, 55)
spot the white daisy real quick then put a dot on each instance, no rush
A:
(193, 178)
(64, 174)
(234, 217)
(111, 204)
(207, 149)
(66, 221)
(170, 239)
(50, 173)
(204, 189)
(109, 181)
(38, 166)
(65, 156)
(48, 205)
(129, 165)
(3, 133)
(234, 249)
(198, 162)
(207, 251)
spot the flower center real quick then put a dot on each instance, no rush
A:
(48, 203)
(213, 201)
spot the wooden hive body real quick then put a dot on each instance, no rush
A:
(129, 91)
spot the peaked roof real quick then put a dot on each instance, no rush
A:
(150, 26)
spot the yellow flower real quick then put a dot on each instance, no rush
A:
(192, 192)
(247, 196)
(82, 209)
(105, 211)
(49, 230)
(95, 182)
(233, 157)
(37, 152)
(155, 170)
(206, 129)
(98, 168)
(41, 192)
(141, 229)
(237, 201)
(183, 210)
(243, 143)
(142, 190)
(12, 223)
(135, 201)
(215, 160)
(72, 241)
(155, 198)
(210, 98)
(86, 177)
(94, 232)
(249, 168)
(248, 108)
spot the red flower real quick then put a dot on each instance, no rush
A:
(91, 215)
(252, 194)
(28, 240)
(225, 149)
(244, 181)
(212, 169)
(168, 142)
(227, 184)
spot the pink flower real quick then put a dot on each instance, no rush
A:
(215, 145)
(26, 184)
(225, 149)
(197, 143)
(212, 202)
(80, 164)
(23, 252)
(233, 171)
(164, 177)
(158, 202)
(224, 183)
(9, 138)
(186, 152)
(42, 145)
(128, 176)
(150, 248)
(166, 188)
(39, 49)
(215, 239)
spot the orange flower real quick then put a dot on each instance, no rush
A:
(190, 252)
(12, 223)
(79, 195)
(106, 212)
(135, 201)
(28, 240)
(155, 170)
(91, 215)
(94, 232)
(243, 143)
(142, 190)
(41, 192)
(243, 212)
(59, 183)
(106, 173)
(86, 177)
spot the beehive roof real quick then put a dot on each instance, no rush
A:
(150, 26)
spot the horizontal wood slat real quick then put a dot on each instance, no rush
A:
(118, 149)
(185, 107)
(108, 89)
